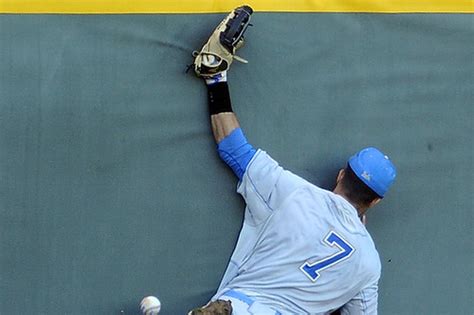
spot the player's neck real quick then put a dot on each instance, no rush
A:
(360, 210)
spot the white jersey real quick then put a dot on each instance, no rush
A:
(302, 249)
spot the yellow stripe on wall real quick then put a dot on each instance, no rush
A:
(217, 6)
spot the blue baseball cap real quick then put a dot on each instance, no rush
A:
(374, 168)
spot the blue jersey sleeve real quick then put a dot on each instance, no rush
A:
(236, 152)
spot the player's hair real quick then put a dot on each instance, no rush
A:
(356, 190)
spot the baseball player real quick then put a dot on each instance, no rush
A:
(302, 249)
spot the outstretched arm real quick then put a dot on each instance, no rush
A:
(211, 63)
(232, 145)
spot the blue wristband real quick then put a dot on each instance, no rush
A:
(236, 152)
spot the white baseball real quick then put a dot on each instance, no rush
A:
(209, 59)
(150, 305)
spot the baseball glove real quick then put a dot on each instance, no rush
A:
(218, 53)
(219, 307)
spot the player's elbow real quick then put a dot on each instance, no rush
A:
(236, 152)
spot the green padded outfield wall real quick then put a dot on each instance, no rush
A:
(111, 189)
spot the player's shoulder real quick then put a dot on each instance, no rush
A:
(263, 165)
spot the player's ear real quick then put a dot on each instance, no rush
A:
(374, 202)
(340, 175)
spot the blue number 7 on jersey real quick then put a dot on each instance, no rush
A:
(345, 251)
